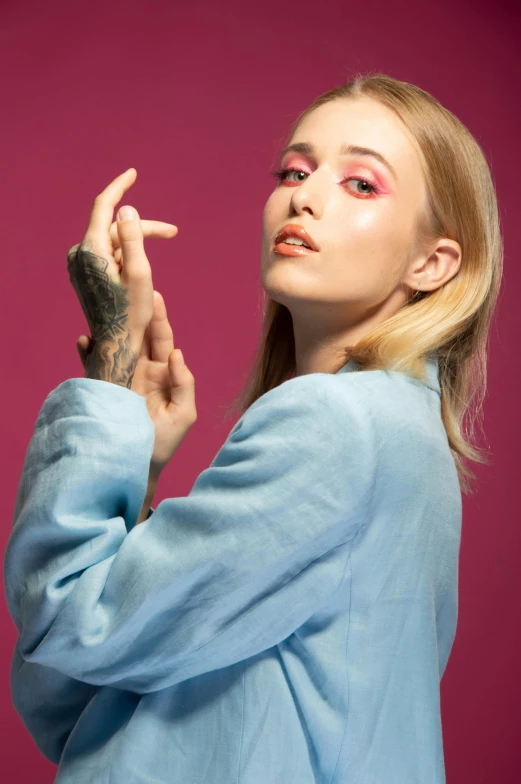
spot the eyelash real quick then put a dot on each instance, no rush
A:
(279, 175)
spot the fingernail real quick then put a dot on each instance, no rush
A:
(126, 214)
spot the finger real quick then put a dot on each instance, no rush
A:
(161, 334)
(182, 388)
(104, 204)
(82, 346)
(150, 228)
(82, 358)
(84, 342)
(145, 344)
(80, 353)
(72, 252)
(135, 262)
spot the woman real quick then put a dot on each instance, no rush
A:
(290, 619)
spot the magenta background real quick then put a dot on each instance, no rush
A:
(198, 98)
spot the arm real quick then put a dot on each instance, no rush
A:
(48, 702)
(257, 547)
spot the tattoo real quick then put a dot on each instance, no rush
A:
(105, 305)
(110, 363)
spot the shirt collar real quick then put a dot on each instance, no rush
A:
(432, 380)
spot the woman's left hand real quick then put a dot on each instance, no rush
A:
(116, 294)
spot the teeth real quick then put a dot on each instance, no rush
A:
(295, 241)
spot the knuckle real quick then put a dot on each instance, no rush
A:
(134, 242)
(72, 251)
(84, 246)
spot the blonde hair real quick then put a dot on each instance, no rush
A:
(453, 320)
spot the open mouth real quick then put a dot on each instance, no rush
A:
(292, 249)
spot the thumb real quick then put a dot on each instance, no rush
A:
(130, 233)
(182, 390)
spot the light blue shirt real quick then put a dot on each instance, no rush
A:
(287, 622)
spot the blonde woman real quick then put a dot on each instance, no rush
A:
(291, 618)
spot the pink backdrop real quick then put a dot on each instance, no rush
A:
(197, 97)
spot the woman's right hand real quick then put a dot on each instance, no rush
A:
(165, 382)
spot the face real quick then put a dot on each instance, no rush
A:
(360, 215)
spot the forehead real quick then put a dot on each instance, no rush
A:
(366, 123)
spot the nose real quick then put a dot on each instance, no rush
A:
(307, 197)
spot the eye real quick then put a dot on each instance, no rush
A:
(364, 182)
(283, 174)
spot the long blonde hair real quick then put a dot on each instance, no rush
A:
(453, 320)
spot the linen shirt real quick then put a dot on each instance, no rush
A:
(287, 622)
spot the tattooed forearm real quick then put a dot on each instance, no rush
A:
(113, 355)
(109, 362)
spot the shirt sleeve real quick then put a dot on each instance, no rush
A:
(48, 703)
(209, 579)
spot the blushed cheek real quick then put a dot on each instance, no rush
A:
(367, 221)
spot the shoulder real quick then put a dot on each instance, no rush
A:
(312, 391)
(405, 413)
(313, 434)
(318, 407)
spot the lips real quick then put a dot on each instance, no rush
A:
(298, 231)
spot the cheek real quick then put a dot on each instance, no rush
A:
(369, 251)
(269, 215)
(270, 222)
(375, 235)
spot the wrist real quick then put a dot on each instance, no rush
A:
(154, 472)
(149, 497)
(113, 363)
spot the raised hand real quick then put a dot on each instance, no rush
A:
(164, 381)
(115, 293)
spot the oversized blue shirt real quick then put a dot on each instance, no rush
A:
(287, 622)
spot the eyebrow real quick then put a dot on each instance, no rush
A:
(345, 149)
